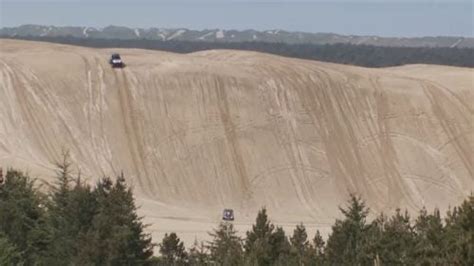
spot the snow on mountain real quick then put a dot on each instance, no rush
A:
(176, 34)
(205, 36)
(220, 34)
(84, 32)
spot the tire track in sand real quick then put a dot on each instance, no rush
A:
(23, 94)
(131, 127)
(439, 103)
(231, 137)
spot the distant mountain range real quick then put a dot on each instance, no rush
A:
(219, 35)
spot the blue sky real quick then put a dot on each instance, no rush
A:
(359, 17)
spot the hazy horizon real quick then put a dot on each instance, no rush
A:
(380, 18)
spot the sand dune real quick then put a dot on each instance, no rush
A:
(196, 133)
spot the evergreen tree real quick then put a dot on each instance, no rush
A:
(370, 243)
(198, 254)
(71, 210)
(226, 246)
(397, 241)
(257, 244)
(345, 245)
(300, 247)
(22, 218)
(453, 237)
(83, 207)
(59, 220)
(280, 247)
(9, 254)
(317, 250)
(429, 239)
(459, 234)
(466, 222)
(172, 250)
(116, 236)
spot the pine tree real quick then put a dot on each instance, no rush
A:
(317, 250)
(429, 233)
(22, 217)
(71, 210)
(9, 254)
(172, 250)
(453, 235)
(257, 244)
(300, 247)
(280, 247)
(60, 218)
(370, 244)
(116, 236)
(459, 234)
(198, 254)
(397, 240)
(345, 244)
(226, 246)
(466, 214)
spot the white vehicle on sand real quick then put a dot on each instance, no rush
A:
(116, 61)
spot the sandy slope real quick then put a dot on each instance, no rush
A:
(200, 132)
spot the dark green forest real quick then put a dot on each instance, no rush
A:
(360, 55)
(73, 223)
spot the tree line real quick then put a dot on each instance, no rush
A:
(73, 223)
(360, 55)
(388, 240)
